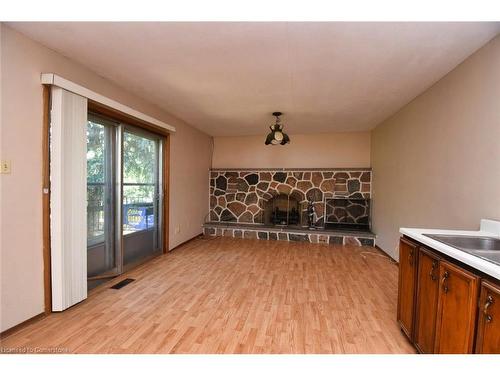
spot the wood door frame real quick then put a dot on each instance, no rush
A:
(166, 192)
(47, 274)
(101, 109)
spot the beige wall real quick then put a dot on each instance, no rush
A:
(22, 62)
(436, 163)
(337, 150)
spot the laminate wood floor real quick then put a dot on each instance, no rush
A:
(225, 295)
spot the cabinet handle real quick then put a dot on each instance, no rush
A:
(489, 302)
(410, 257)
(443, 282)
(431, 274)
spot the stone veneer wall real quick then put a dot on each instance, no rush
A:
(239, 196)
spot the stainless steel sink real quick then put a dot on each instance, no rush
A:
(487, 248)
(468, 242)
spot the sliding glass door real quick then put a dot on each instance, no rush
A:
(124, 203)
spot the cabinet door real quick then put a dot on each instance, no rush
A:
(407, 280)
(427, 300)
(488, 330)
(457, 306)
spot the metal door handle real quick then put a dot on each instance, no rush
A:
(431, 274)
(443, 281)
(489, 302)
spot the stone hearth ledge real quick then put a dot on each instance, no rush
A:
(267, 232)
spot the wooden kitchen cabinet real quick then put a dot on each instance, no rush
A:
(456, 311)
(445, 306)
(427, 300)
(488, 330)
(408, 258)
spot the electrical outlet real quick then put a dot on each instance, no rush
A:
(5, 167)
(177, 229)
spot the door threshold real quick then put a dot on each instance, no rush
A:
(126, 274)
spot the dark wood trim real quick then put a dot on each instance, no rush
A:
(166, 192)
(46, 201)
(187, 241)
(20, 326)
(115, 114)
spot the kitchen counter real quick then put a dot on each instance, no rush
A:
(488, 228)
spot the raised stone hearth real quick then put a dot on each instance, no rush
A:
(273, 233)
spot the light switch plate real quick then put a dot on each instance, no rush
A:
(5, 167)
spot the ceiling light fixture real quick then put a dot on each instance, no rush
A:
(277, 137)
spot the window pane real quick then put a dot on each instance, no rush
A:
(95, 214)
(138, 159)
(96, 174)
(95, 152)
(138, 208)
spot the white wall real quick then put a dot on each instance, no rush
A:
(436, 163)
(337, 150)
(22, 62)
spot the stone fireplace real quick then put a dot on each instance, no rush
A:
(244, 196)
(272, 204)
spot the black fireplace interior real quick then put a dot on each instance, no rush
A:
(340, 213)
(282, 210)
(347, 213)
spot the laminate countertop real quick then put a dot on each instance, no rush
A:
(488, 228)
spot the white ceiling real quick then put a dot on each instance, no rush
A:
(227, 78)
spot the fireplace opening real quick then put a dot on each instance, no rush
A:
(347, 213)
(282, 209)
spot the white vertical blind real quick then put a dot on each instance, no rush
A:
(68, 198)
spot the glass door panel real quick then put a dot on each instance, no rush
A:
(102, 260)
(124, 203)
(141, 236)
